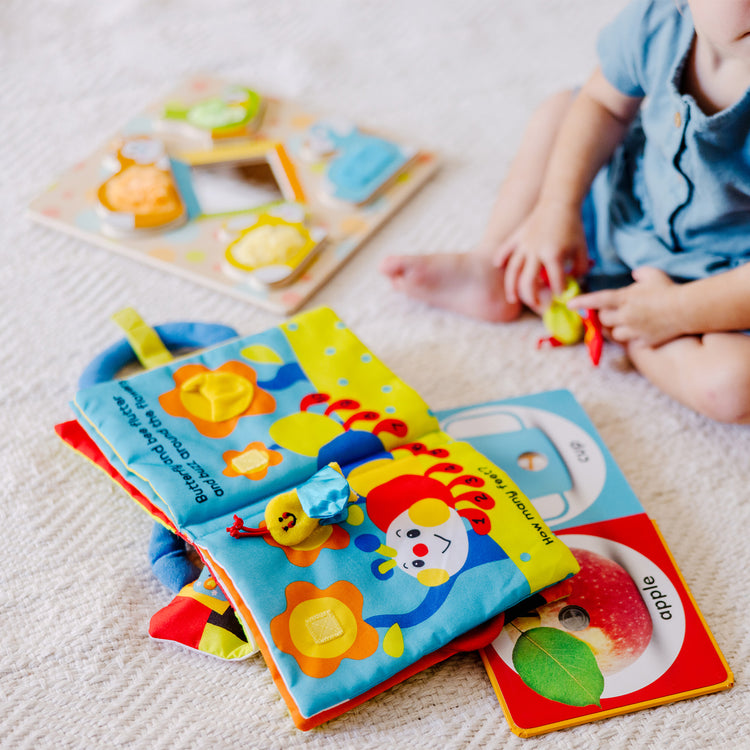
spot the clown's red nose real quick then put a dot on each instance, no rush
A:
(420, 550)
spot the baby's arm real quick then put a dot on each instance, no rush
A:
(552, 235)
(654, 309)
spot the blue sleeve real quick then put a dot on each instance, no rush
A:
(626, 46)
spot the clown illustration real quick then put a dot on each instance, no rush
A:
(430, 534)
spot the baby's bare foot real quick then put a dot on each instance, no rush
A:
(466, 283)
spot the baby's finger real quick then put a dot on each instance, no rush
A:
(501, 255)
(623, 334)
(556, 277)
(608, 317)
(528, 285)
(593, 300)
(512, 270)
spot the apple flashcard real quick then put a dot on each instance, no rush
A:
(622, 634)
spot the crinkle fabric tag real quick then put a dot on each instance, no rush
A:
(325, 495)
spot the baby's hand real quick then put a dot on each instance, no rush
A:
(647, 312)
(551, 238)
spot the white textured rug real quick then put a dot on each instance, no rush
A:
(77, 668)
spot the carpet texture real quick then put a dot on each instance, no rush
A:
(77, 668)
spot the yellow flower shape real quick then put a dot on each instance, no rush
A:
(253, 462)
(320, 628)
(215, 400)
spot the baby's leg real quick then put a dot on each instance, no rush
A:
(709, 373)
(469, 283)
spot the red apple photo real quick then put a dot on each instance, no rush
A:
(604, 609)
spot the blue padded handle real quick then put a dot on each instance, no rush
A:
(175, 336)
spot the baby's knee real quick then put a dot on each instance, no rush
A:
(722, 392)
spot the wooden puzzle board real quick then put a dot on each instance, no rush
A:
(226, 195)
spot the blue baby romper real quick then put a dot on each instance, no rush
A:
(676, 193)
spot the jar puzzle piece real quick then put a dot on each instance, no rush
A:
(181, 171)
(272, 250)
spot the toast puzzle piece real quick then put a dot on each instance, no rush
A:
(142, 192)
(271, 248)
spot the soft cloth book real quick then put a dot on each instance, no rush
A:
(355, 539)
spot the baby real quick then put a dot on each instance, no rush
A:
(648, 200)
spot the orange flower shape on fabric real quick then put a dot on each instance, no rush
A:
(215, 400)
(330, 536)
(320, 628)
(253, 462)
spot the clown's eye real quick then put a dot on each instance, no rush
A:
(418, 564)
(412, 533)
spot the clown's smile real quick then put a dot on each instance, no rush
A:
(447, 543)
